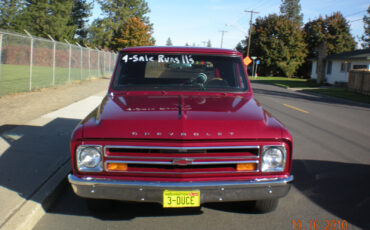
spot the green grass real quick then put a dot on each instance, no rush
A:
(306, 84)
(16, 78)
(342, 93)
(286, 82)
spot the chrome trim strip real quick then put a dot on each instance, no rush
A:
(171, 158)
(184, 173)
(179, 148)
(192, 163)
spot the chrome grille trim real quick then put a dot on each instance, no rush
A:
(192, 163)
(168, 161)
(181, 149)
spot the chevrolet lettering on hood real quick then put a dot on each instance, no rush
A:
(171, 134)
(180, 126)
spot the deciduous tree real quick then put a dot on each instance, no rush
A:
(278, 42)
(135, 33)
(105, 31)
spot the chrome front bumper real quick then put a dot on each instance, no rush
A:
(210, 191)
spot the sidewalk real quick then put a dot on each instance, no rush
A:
(34, 148)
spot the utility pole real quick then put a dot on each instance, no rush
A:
(250, 28)
(222, 36)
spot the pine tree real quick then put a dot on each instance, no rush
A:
(10, 14)
(49, 17)
(169, 42)
(135, 33)
(105, 31)
(292, 10)
(366, 36)
(81, 10)
(209, 43)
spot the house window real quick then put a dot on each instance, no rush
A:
(328, 70)
(349, 66)
(359, 66)
(342, 67)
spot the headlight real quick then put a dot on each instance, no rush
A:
(89, 158)
(273, 159)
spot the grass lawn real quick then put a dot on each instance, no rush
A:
(311, 86)
(16, 78)
(286, 82)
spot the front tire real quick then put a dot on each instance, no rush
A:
(264, 206)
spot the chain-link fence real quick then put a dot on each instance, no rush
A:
(28, 63)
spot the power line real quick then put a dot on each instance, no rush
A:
(360, 19)
(354, 13)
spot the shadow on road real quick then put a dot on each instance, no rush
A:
(339, 188)
(29, 155)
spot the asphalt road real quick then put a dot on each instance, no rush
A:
(331, 168)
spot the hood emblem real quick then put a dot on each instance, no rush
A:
(182, 134)
(182, 161)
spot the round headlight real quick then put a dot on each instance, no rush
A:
(89, 159)
(273, 160)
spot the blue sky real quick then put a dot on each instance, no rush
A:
(197, 21)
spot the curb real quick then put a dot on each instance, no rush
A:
(28, 215)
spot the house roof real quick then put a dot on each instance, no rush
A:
(352, 55)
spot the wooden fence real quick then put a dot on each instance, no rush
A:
(359, 81)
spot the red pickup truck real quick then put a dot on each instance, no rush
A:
(180, 126)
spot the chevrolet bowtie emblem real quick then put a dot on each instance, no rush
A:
(182, 161)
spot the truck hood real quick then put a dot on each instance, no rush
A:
(182, 117)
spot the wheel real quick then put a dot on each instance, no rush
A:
(264, 206)
(99, 205)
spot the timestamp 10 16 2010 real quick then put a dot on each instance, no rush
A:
(317, 225)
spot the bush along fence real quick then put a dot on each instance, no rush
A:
(28, 63)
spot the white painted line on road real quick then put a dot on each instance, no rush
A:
(77, 110)
(295, 108)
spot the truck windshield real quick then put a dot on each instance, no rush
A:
(179, 72)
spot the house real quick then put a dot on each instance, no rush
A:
(337, 66)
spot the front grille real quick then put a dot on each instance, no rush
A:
(182, 161)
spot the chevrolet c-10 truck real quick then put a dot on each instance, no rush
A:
(180, 126)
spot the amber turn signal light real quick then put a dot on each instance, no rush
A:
(116, 167)
(246, 167)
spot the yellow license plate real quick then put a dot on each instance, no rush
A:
(181, 199)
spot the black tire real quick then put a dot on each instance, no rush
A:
(99, 205)
(264, 206)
